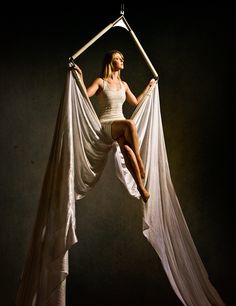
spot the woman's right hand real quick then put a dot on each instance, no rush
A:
(77, 68)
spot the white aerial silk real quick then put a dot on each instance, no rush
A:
(79, 153)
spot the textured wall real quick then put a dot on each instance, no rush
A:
(191, 49)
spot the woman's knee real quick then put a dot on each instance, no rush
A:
(130, 126)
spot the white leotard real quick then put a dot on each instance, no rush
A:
(110, 105)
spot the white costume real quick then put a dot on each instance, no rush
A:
(110, 105)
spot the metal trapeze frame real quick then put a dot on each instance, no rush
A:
(119, 22)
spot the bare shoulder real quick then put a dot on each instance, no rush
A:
(125, 85)
(98, 81)
(95, 87)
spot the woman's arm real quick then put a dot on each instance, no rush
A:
(95, 85)
(146, 89)
(130, 97)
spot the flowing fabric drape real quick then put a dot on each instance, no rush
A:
(78, 156)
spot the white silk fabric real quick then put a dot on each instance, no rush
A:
(78, 156)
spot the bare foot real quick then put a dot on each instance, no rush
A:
(144, 194)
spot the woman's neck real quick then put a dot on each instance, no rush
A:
(114, 76)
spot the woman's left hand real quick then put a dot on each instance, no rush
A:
(152, 82)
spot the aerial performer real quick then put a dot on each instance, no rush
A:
(82, 142)
(112, 92)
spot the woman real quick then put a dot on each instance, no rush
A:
(112, 92)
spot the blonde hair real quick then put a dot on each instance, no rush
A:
(107, 67)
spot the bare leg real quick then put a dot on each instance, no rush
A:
(131, 161)
(127, 129)
(132, 165)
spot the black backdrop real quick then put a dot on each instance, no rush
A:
(191, 48)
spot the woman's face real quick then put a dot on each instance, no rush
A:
(117, 61)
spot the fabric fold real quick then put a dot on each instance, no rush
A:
(167, 230)
(78, 156)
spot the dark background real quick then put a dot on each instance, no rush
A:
(191, 47)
